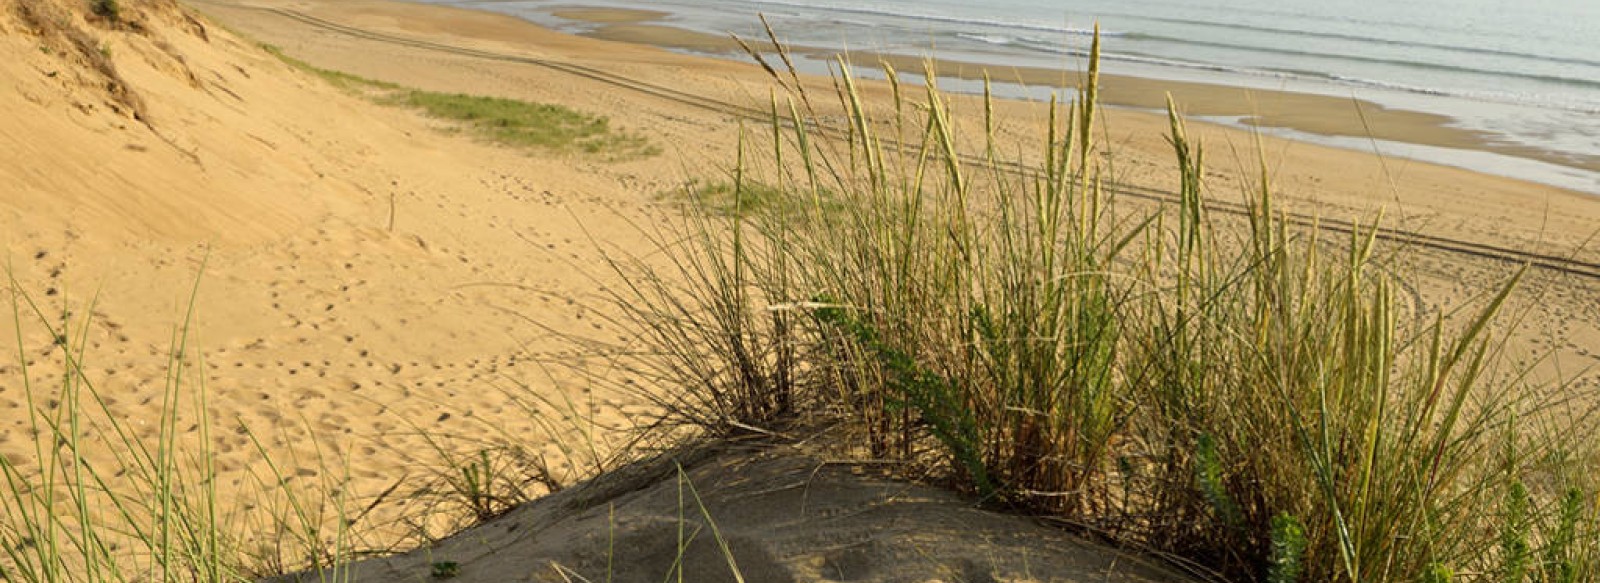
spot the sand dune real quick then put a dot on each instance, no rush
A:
(315, 319)
(137, 153)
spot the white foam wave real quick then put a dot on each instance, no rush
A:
(976, 22)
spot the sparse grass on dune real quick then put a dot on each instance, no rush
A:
(724, 198)
(512, 122)
(537, 125)
(338, 79)
(107, 497)
(1242, 396)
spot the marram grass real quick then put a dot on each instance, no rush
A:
(1237, 393)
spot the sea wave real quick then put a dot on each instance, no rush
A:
(993, 39)
(999, 32)
(979, 22)
(1315, 76)
(1303, 33)
(1054, 48)
(1587, 83)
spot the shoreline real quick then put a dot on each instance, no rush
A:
(1426, 195)
(698, 104)
(1360, 124)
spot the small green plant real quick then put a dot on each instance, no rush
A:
(1437, 573)
(1560, 565)
(444, 570)
(1288, 550)
(483, 485)
(108, 9)
(1514, 527)
(935, 400)
(1208, 475)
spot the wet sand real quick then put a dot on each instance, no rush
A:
(607, 15)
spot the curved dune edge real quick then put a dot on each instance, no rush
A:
(785, 517)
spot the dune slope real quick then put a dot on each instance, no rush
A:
(782, 516)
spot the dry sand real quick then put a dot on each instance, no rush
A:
(319, 324)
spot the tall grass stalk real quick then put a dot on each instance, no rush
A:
(1233, 390)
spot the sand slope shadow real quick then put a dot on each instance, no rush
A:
(784, 517)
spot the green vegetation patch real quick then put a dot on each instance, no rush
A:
(536, 125)
(727, 198)
(510, 122)
(337, 79)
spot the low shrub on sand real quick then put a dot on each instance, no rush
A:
(107, 9)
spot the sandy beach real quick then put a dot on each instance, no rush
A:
(317, 322)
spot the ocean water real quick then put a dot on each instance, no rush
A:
(1524, 71)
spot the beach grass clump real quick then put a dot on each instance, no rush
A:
(1230, 389)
